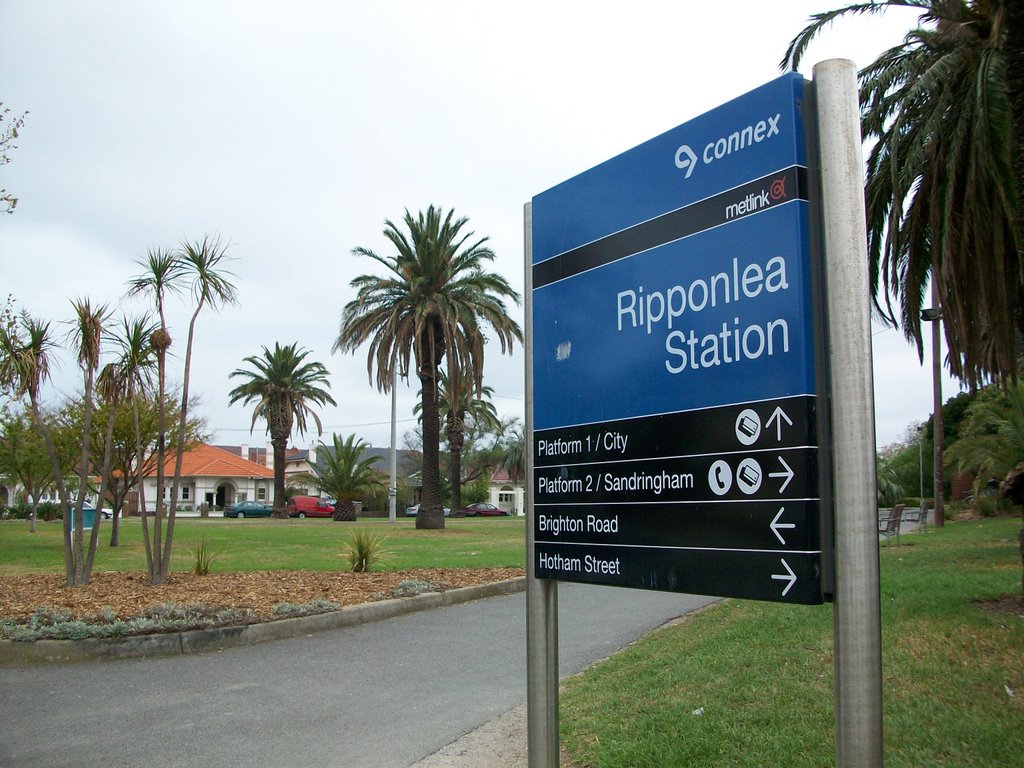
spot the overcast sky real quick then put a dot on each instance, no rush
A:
(293, 130)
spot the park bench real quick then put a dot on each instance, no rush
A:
(917, 515)
(889, 523)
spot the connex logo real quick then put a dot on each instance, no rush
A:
(755, 133)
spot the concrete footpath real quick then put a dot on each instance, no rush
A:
(425, 688)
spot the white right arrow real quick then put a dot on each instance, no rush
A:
(775, 525)
(788, 576)
(788, 474)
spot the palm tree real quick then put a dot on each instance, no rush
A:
(283, 387)
(429, 306)
(87, 340)
(169, 272)
(202, 261)
(991, 439)
(514, 453)
(345, 475)
(26, 348)
(162, 275)
(457, 402)
(120, 383)
(945, 177)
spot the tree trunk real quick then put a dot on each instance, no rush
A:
(140, 463)
(165, 563)
(108, 443)
(279, 445)
(156, 552)
(345, 511)
(431, 514)
(77, 565)
(58, 480)
(455, 432)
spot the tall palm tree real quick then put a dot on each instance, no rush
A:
(283, 386)
(163, 273)
(430, 305)
(945, 177)
(202, 261)
(122, 381)
(87, 341)
(343, 473)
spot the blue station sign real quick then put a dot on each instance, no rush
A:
(675, 347)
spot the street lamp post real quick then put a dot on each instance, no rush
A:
(393, 480)
(934, 316)
(920, 462)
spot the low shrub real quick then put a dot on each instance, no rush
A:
(203, 557)
(291, 610)
(413, 587)
(364, 549)
(46, 511)
(50, 624)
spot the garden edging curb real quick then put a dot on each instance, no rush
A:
(15, 654)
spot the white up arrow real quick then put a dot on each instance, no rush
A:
(775, 525)
(788, 576)
(778, 415)
(788, 474)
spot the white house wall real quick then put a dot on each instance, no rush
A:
(194, 491)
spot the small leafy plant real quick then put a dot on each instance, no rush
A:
(364, 550)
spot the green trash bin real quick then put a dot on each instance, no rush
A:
(88, 518)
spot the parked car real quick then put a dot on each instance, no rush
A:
(483, 508)
(415, 510)
(248, 509)
(309, 506)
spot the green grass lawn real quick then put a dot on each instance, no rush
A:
(760, 674)
(249, 545)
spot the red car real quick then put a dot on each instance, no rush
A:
(483, 508)
(309, 506)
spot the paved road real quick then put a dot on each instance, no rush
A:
(381, 695)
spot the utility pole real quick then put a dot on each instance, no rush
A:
(934, 315)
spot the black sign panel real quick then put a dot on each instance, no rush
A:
(719, 501)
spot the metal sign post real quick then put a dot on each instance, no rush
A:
(541, 594)
(857, 615)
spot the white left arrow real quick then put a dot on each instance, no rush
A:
(788, 474)
(775, 525)
(787, 576)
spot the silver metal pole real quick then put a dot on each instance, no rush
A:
(857, 615)
(541, 594)
(938, 430)
(393, 482)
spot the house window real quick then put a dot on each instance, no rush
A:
(261, 494)
(185, 494)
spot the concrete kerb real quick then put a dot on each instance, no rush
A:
(218, 638)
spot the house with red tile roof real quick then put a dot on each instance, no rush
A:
(213, 476)
(507, 492)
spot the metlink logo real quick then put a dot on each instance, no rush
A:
(755, 133)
